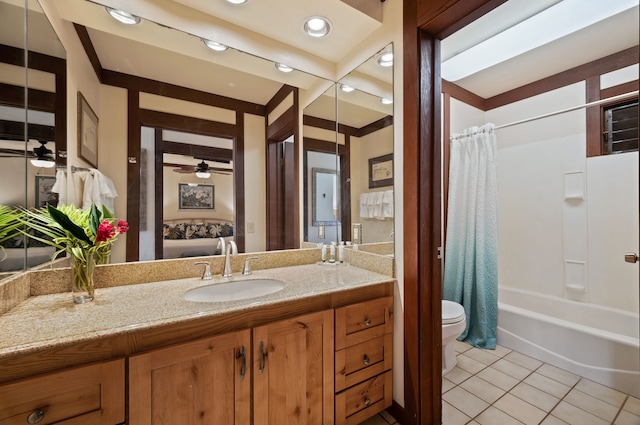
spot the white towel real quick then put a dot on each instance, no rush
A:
(387, 204)
(60, 186)
(364, 206)
(99, 190)
(376, 203)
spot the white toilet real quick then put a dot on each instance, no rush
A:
(454, 322)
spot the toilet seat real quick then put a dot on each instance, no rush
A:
(451, 312)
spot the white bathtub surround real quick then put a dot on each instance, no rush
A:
(595, 342)
(471, 253)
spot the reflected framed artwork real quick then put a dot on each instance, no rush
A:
(381, 171)
(200, 197)
(87, 132)
(44, 195)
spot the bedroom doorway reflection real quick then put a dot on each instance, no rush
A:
(187, 196)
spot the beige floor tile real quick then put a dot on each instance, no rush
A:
(552, 420)
(592, 405)
(576, 416)
(547, 385)
(473, 423)
(627, 418)
(462, 346)
(464, 401)
(457, 375)
(534, 396)
(520, 409)
(498, 378)
(375, 420)
(602, 392)
(501, 351)
(483, 356)
(470, 365)
(447, 385)
(511, 369)
(482, 389)
(493, 416)
(390, 419)
(632, 405)
(558, 374)
(452, 416)
(522, 360)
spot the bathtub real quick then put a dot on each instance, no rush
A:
(595, 342)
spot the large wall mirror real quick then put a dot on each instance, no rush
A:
(32, 120)
(362, 131)
(213, 135)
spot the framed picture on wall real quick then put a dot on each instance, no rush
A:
(200, 197)
(381, 171)
(87, 132)
(44, 195)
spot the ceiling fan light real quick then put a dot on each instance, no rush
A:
(283, 68)
(43, 163)
(123, 16)
(317, 26)
(203, 174)
(218, 47)
(237, 1)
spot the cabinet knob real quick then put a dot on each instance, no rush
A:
(35, 417)
(365, 360)
(367, 321)
(367, 401)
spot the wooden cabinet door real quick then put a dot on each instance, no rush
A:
(206, 382)
(293, 371)
(87, 395)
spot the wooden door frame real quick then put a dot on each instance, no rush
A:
(425, 23)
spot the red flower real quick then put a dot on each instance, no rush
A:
(122, 227)
(106, 231)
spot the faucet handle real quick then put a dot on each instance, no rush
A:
(247, 269)
(206, 275)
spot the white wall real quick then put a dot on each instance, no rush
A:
(564, 220)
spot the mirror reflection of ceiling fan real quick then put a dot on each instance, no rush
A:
(202, 170)
(41, 156)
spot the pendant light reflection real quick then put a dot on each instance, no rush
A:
(123, 16)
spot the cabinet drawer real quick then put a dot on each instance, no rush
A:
(85, 395)
(358, 403)
(362, 361)
(360, 322)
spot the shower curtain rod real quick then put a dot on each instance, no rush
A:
(562, 111)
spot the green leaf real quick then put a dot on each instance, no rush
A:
(68, 225)
(106, 213)
(94, 219)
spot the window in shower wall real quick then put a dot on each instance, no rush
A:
(620, 128)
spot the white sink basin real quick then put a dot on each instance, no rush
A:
(234, 291)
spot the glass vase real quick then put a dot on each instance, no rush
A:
(82, 284)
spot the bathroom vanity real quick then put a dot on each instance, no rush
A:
(319, 351)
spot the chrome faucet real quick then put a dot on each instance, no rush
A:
(228, 249)
(206, 275)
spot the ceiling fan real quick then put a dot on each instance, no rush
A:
(202, 170)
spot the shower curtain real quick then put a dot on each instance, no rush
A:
(471, 251)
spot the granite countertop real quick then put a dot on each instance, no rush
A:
(48, 321)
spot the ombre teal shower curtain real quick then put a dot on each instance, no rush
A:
(471, 246)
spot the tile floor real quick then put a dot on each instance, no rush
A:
(504, 387)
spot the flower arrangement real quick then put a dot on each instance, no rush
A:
(85, 235)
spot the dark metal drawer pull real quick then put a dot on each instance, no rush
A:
(366, 360)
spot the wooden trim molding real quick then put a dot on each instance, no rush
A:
(464, 95)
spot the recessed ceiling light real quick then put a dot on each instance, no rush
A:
(237, 1)
(386, 101)
(385, 59)
(317, 26)
(218, 47)
(345, 88)
(283, 68)
(123, 16)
